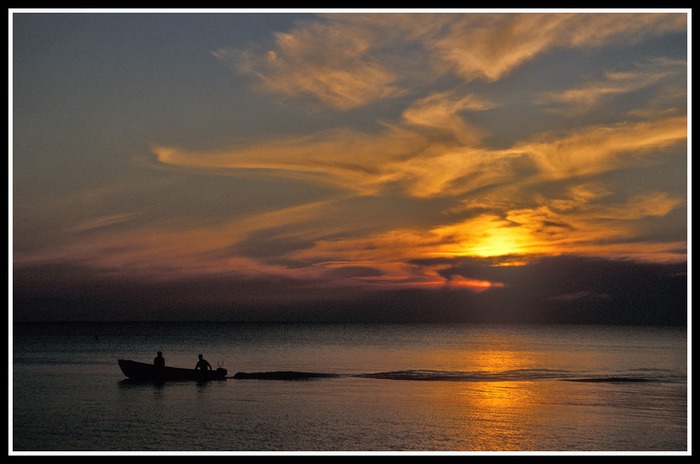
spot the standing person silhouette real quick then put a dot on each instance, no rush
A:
(202, 364)
(159, 361)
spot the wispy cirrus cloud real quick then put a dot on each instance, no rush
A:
(498, 43)
(347, 159)
(613, 84)
(594, 150)
(348, 60)
(322, 59)
(428, 166)
(442, 112)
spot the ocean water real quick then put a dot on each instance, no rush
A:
(386, 388)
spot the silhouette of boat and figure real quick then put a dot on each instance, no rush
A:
(158, 371)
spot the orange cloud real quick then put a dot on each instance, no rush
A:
(498, 43)
(579, 224)
(342, 158)
(361, 163)
(350, 60)
(182, 249)
(616, 83)
(441, 112)
(601, 149)
(655, 204)
(330, 63)
(474, 284)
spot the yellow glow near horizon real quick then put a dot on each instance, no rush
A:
(497, 242)
(485, 237)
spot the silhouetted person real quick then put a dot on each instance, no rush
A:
(159, 361)
(202, 364)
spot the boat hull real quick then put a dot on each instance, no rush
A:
(143, 371)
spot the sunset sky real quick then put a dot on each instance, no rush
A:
(350, 165)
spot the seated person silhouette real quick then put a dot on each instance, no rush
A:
(202, 364)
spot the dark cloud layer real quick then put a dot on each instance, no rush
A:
(553, 290)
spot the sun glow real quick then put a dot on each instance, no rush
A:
(497, 242)
(484, 237)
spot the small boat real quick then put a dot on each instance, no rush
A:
(144, 371)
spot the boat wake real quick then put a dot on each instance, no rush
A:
(283, 375)
(635, 375)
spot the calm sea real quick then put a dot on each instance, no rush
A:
(394, 388)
